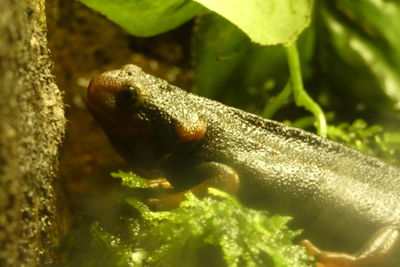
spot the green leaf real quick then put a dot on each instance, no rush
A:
(232, 69)
(218, 48)
(361, 52)
(146, 17)
(269, 22)
(235, 71)
(379, 19)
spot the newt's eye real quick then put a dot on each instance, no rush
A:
(127, 98)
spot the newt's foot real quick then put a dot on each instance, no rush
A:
(215, 174)
(382, 250)
(328, 258)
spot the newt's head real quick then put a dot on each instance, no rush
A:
(144, 117)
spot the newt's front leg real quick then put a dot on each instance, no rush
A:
(213, 174)
(381, 250)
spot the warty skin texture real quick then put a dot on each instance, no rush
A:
(330, 190)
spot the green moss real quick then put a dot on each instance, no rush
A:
(372, 140)
(217, 226)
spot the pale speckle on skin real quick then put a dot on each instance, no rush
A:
(339, 187)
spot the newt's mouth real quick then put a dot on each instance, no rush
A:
(114, 122)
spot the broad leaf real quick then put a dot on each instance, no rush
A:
(265, 22)
(146, 17)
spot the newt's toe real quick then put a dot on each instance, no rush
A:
(329, 258)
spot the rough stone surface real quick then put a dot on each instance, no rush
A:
(31, 131)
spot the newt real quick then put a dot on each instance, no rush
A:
(329, 189)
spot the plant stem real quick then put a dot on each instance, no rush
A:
(270, 108)
(301, 97)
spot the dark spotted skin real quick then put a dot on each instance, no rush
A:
(329, 189)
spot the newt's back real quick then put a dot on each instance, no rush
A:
(335, 188)
(324, 185)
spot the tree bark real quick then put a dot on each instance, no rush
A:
(31, 131)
